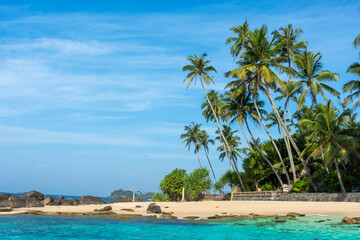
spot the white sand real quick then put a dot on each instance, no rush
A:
(210, 208)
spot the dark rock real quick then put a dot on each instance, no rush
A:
(33, 202)
(153, 208)
(55, 202)
(348, 220)
(125, 216)
(35, 194)
(293, 214)
(138, 206)
(128, 210)
(76, 202)
(48, 200)
(190, 217)
(357, 219)
(17, 201)
(4, 200)
(107, 208)
(165, 215)
(5, 209)
(87, 200)
(67, 202)
(138, 200)
(320, 221)
(121, 199)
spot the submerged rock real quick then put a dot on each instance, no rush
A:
(87, 200)
(127, 209)
(190, 217)
(35, 194)
(348, 220)
(153, 208)
(293, 214)
(167, 215)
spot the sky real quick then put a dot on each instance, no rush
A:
(91, 92)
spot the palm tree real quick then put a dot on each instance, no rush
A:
(191, 136)
(330, 137)
(199, 68)
(313, 77)
(204, 143)
(242, 33)
(357, 41)
(353, 86)
(261, 55)
(216, 104)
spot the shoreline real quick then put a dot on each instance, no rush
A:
(205, 209)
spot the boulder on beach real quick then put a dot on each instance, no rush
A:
(121, 199)
(348, 220)
(67, 202)
(87, 200)
(106, 208)
(17, 201)
(293, 214)
(153, 208)
(54, 202)
(48, 200)
(35, 194)
(33, 202)
(4, 200)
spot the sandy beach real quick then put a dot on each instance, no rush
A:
(210, 208)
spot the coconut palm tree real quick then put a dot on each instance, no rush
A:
(357, 41)
(242, 33)
(261, 55)
(216, 103)
(312, 76)
(353, 86)
(192, 136)
(199, 68)
(329, 137)
(204, 143)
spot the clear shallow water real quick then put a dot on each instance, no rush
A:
(53, 227)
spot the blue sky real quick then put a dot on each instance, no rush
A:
(91, 93)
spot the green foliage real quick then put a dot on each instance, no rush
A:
(173, 183)
(268, 187)
(158, 197)
(329, 182)
(301, 185)
(129, 194)
(197, 182)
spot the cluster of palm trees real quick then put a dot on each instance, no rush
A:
(317, 136)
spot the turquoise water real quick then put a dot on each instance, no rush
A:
(53, 227)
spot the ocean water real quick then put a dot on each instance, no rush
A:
(55, 227)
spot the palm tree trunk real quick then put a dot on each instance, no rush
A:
(242, 129)
(227, 149)
(262, 154)
(288, 147)
(339, 176)
(272, 141)
(289, 136)
(197, 154)
(212, 170)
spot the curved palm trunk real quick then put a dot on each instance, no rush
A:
(197, 154)
(262, 154)
(287, 143)
(242, 129)
(288, 135)
(339, 176)
(212, 170)
(227, 149)
(272, 141)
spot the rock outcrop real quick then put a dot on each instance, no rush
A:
(35, 194)
(348, 220)
(121, 199)
(153, 208)
(33, 202)
(87, 200)
(4, 200)
(107, 208)
(68, 202)
(17, 201)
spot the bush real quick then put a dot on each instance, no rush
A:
(268, 187)
(158, 197)
(197, 182)
(173, 183)
(301, 185)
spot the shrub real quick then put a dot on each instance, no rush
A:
(173, 183)
(197, 182)
(268, 187)
(158, 197)
(301, 185)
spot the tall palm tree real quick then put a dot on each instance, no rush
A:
(216, 103)
(204, 143)
(261, 56)
(200, 68)
(313, 77)
(242, 33)
(192, 136)
(357, 41)
(353, 86)
(330, 137)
